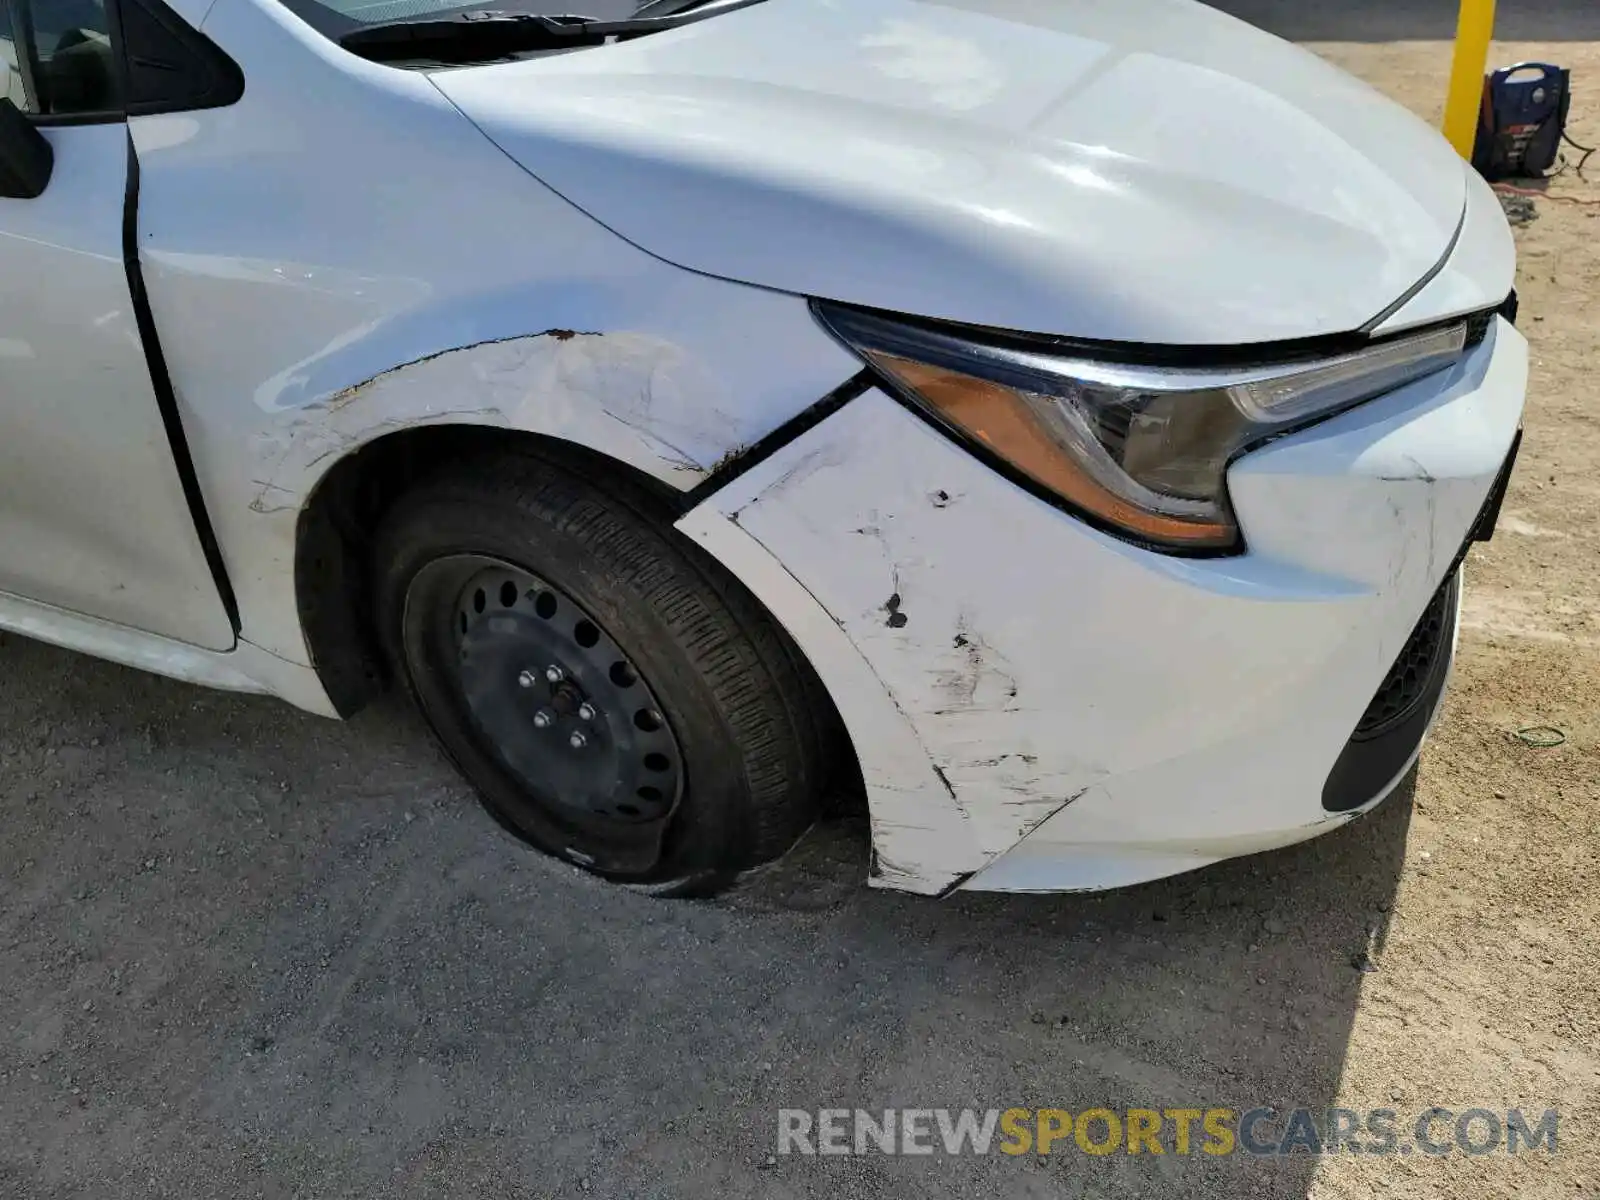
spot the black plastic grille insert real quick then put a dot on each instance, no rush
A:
(1407, 682)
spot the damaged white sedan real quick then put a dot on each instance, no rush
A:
(1061, 420)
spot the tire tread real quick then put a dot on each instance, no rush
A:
(747, 663)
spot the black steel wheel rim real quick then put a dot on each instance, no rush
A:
(553, 701)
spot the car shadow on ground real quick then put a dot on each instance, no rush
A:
(253, 951)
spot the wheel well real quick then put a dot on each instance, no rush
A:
(332, 560)
(336, 526)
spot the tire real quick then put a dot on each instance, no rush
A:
(487, 569)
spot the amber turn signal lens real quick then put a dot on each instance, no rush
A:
(1007, 422)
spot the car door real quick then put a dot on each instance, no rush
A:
(96, 516)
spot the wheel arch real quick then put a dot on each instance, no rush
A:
(618, 405)
(335, 526)
(618, 408)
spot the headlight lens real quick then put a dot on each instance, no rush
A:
(1143, 451)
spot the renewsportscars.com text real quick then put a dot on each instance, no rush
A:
(1213, 1131)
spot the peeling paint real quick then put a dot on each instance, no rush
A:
(979, 668)
(1034, 824)
(273, 499)
(997, 760)
(676, 458)
(884, 873)
(807, 466)
(1422, 472)
(728, 459)
(636, 398)
(959, 882)
(919, 828)
(896, 619)
(347, 394)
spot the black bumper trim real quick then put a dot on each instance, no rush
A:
(1370, 763)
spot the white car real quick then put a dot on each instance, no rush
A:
(1062, 420)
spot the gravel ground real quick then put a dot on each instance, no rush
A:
(251, 953)
(254, 953)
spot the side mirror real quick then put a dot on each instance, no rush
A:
(26, 158)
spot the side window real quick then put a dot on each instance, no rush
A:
(57, 57)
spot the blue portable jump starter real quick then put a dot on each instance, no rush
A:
(1522, 121)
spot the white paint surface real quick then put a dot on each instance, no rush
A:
(93, 517)
(1477, 275)
(1145, 170)
(245, 668)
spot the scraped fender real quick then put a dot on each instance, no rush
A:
(922, 837)
(633, 397)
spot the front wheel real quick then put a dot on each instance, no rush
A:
(616, 700)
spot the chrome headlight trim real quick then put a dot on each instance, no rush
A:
(1140, 450)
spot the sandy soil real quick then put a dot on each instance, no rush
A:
(244, 952)
(1490, 985)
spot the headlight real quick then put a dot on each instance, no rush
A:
(1142, 451)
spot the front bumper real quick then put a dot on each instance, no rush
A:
(1037, 706)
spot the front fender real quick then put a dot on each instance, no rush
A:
(637, 398)
(341, 255)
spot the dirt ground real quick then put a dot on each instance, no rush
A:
(250, 953)
(1489, 986)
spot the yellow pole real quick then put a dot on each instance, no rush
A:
(1474, 28)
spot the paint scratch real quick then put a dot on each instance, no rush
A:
(896, 619)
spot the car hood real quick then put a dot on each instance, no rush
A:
(1145, 171)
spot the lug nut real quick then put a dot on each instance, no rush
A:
(527, 679)
(586, 711)
(543, 719)
(554, 674)
(577, 741)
